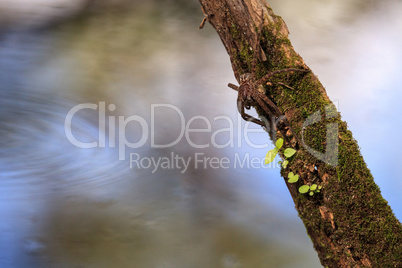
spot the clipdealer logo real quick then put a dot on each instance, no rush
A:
(116, 126)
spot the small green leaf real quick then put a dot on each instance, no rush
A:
(317, 191)
(293, 179)
(279, 143)
(311, 193)
(290, 175)
(319, 187)
(304, 189)
(285, 163)
(289, 152)
(313, 187)
(271, 156)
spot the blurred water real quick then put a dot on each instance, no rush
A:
(355, 51)
(64, 206)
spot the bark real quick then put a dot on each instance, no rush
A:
(348, 221)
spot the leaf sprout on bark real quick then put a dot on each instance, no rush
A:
(292, 178)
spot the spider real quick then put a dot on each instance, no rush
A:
(250, 95)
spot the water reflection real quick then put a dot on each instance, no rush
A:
(358, 59)
(71, 207)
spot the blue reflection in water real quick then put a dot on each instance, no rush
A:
(36, 160)
(63, 203)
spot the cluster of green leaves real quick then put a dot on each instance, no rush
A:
(292, 178)
(289, 152)
(310, 189)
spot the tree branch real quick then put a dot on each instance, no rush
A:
(349, 222)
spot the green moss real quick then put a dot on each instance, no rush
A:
(360, 224)
(234, 31)
(368, 222)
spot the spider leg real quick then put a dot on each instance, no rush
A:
(240, 107)
(265, 78)
(279, 117)
(262, 99)
(233, 86)
(274, 127)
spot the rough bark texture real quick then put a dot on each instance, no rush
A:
(349, 222)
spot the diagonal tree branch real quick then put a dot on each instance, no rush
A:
(349, 222)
